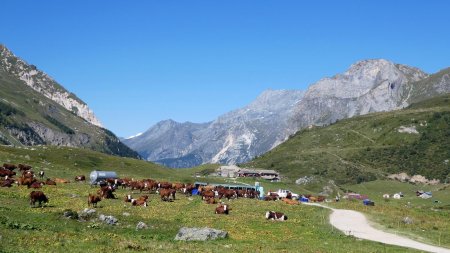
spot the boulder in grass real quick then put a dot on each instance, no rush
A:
(110, 220)
(141, 225)
(199, 234)
(87, 214)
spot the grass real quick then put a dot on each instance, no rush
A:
(368, 147)
(430, 217)
(25, 229)
(45, 230)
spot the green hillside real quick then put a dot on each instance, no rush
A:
(28, 118)
(369, 147)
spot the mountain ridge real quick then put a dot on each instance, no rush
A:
(367, 86)
(30, 115)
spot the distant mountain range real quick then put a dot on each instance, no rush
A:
(368, 86)
(36, 110)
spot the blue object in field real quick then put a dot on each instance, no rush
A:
(97, 176)
(304, 199)
(368, 202)
(195, 192)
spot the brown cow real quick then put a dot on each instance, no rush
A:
(208, 194)
(106, 192)
(24, 167)
(141, 201)
(35, 185)
(165, 185)
(271, 215)
(188, 188)
(9, 166)
(49, 182)
(26, 181)
(37, 196)
(93, 199)
(210, 201)
(222, 209)
(290, 201)
(62, 181)
(6, 172)
(128, 198)
(167, 194)
(7, 183)
(227, 193)
(178, 186)
(28, 173)
(270, 198)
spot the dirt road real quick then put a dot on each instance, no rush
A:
(355, 223)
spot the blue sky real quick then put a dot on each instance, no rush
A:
(138, 62)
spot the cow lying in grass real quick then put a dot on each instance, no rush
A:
(141, 201)
(222, 209)
(271, 215)
(37, 196)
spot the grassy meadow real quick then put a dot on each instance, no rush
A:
(26, 229)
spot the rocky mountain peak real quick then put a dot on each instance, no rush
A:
(364, 76)
(44, 84)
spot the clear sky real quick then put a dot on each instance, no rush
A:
(138, 62)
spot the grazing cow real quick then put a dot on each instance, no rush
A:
(106, 192)
(62, 181)
(208, 194)
(9, 166)
(35, 185)
(93, 199)
(271, 215)
(24, 167)
(49, 182)
(26, 181)
(210, 201)
(178, 186)
(227, 193)
(80, 178)
(270, 198)
(7, 183)
(37, 196)
(188, 188)
(137, 185)
(28, 173)
(222, 209)
(41, 174)
(6, 172)
(167, 194)
(165, 185)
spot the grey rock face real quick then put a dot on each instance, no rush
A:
(232, 138)
(199, 234)
(368, 86)
(45, 85)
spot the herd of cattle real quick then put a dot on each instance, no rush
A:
(166, 190)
